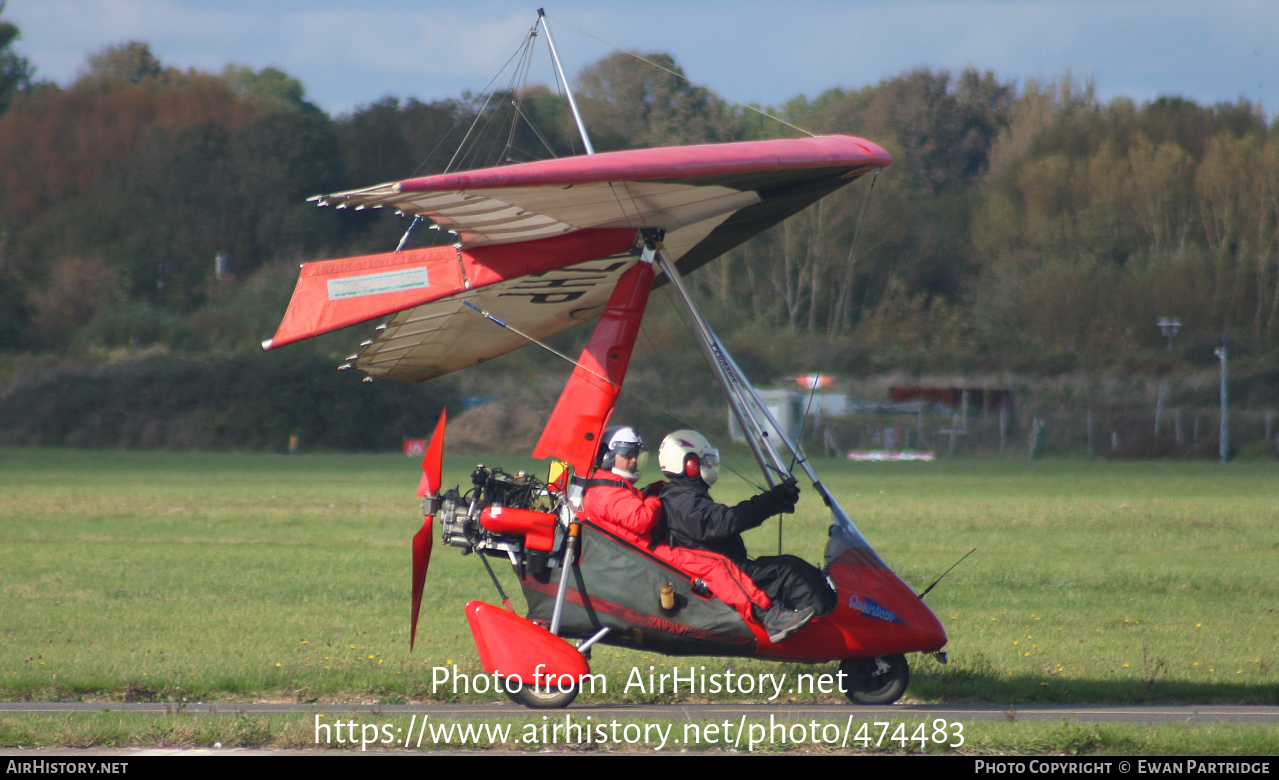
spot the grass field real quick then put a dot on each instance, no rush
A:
(186, 577)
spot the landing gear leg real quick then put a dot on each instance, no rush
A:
(875, 680)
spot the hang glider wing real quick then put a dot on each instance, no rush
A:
(541, 245)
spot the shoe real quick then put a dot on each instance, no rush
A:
(781, 623)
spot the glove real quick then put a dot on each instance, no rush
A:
(786, 495)
(653, 489)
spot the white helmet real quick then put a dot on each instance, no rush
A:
(625, 441)
(689, 453)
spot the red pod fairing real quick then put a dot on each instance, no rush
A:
(876, 614)
(511, 646)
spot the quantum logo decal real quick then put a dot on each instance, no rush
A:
(870, 609)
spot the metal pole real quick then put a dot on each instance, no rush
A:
(568, 90)
(1223, 445)
(1159, 405)
(1169, 327)
(566, 571)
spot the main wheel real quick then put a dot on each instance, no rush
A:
(875, 680)
(552, 698)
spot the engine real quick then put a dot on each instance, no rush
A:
(517, 516)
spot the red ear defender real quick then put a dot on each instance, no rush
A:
(692, 466)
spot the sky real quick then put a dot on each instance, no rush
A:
(348, 54)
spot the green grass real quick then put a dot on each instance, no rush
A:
(188, 577)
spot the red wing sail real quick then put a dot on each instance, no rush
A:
(541, 287)
(573, 432)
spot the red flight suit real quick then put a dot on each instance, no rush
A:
(622, 509)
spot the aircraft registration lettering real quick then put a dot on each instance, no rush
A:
(549, 286)
(376, 284)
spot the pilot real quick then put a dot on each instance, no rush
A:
(611, 496)
(692, 519)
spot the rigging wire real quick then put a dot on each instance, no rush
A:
(518, 66)
(519, 108)
(803, 422)
(490, 92)
(541, 344)
(517, 90)
(681, 76)
(852, 247)
(478, 106)
(468, 150)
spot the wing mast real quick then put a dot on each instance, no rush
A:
(568, 90)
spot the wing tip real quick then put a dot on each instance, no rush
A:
(268, 345)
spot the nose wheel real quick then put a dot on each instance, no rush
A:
(880, 680)
(550, 698)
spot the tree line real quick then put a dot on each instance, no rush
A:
(145, 207)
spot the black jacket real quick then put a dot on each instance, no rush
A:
(691, 518)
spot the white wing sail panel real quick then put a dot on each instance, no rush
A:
(428, 341)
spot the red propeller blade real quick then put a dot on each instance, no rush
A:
(433, 460)
(421, 558)
(432, 466)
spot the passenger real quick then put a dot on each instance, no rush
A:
(692, 519)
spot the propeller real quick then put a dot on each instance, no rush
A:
(432, 466)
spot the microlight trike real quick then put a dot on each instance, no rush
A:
(541, 247)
